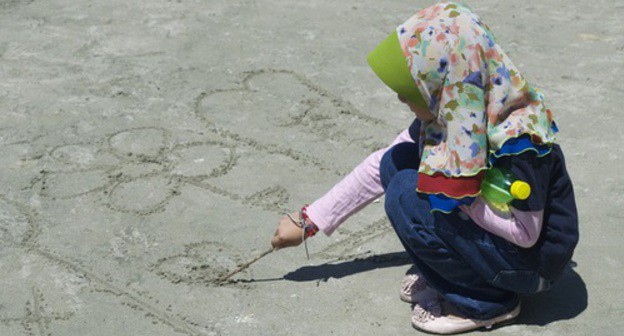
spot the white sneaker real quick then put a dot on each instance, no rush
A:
(432, 317)
(414, 288)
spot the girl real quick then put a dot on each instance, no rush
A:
(473, 111)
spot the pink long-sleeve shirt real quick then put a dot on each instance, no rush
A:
(363, 185)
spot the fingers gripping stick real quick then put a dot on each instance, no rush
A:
(301, 224)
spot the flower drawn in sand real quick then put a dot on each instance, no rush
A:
(140, 170)
(135, 171)
(201, 263)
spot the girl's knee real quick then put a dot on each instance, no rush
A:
(402, 182)
(400, 157)
(404, 206)
(386, 169)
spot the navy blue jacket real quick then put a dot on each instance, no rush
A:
(552, 192)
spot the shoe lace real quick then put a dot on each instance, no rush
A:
(427, 310)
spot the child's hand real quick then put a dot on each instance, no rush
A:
(287, 234)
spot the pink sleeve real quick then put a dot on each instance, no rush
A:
(520, 227)
(354, 192)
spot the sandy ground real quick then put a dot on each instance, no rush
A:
(147, 147)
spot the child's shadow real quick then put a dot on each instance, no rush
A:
(566, 299)
(346, 268)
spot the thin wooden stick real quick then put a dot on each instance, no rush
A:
(244, 266)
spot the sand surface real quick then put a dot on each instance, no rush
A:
(148, 147)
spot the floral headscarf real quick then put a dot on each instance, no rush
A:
(483, 107)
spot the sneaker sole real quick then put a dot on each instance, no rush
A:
(507, 319)
(495, 323)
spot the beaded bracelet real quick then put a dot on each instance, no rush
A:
(309, 228)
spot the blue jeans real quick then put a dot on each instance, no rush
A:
(479, 273)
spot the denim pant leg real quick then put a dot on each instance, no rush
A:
(401, 156)
(445, 268)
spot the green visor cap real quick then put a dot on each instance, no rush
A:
(388, 63)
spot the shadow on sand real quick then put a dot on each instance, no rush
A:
(346, 268)
(565, 300)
